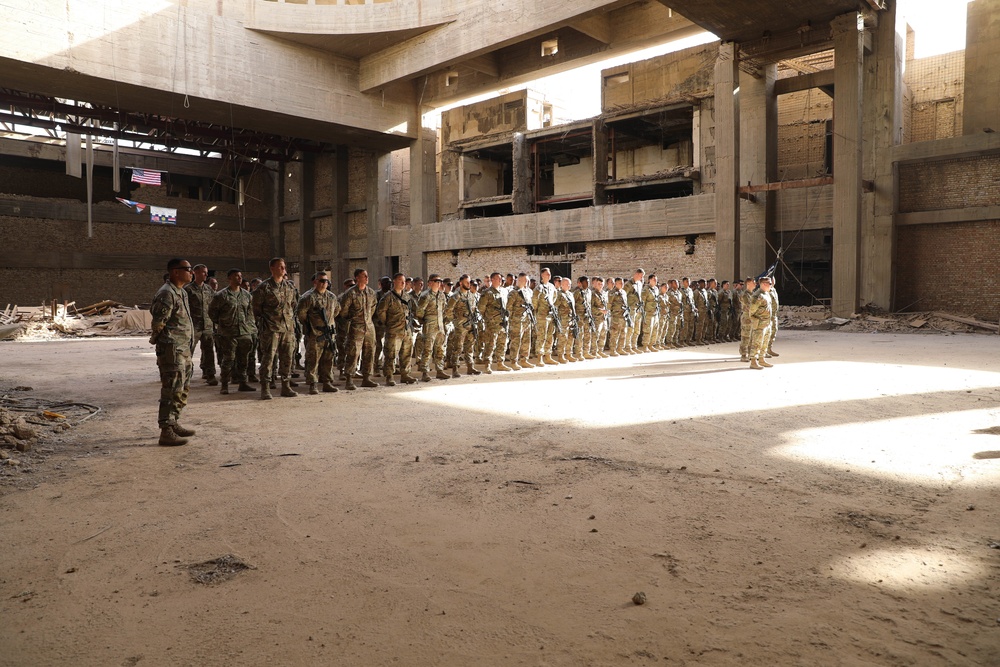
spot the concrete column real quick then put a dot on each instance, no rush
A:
(341, 239)
(307, 225)
(727, 164)
(379, 213)
(600, 153)
(883, 129)
(848, 45)
(758, 110)
(521, 192)
(423, 198)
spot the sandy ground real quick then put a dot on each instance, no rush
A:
(837, 509)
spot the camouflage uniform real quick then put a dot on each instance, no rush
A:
(759, 316)
(598, 303)
(200, 298)
(713, 315)
(674, 308)
(357, 307)
(725, 313)
(543, 300)
(173, 335)
(234, 331)
(633, 296)
(522, 321)
(745, 327)
(320, 356)
(393, 315)
(459, 313)
(701, 306)
(648, 306)
(585, 340)
(493, 307)
(274, 306)
(773, 293)
(617, 305)
(565, 310)
(430, 313)
(690, 315)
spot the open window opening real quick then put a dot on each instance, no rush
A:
(488, 182)
(564, 169)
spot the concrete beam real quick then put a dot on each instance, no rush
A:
(56, 260)
(848, 39)
(970, 145)
(596, 27)
(727, 164)
(487, 64)
(948, 215)
(634, 220)
(794, 84)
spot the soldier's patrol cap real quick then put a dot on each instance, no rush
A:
(765, 279)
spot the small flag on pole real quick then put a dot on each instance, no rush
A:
(162, 216)
(134, 205)
(145, 176)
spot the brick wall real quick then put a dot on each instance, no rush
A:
(949, 267)
(664, 256)
(802, 129)
(357, 194)
(937, 85)
(960, 183)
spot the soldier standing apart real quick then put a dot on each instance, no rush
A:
(274, 303)
(544, 299)
(430, 313)
(522, 320)
(565, 310)
(200, 295)
(493, 307)
(745, 328)
(760, 324)
(462, 314)
(773, 293)
(393, 315)
(173, 336)
(317, 311)
(357, 307)
(599, 308)
(234, 331)
(633, 296)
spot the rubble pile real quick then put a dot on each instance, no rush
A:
(875, 320)
(27, 422)
(105, 318)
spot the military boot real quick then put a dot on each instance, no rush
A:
(349, 384)
(211, 381)
(245, 387)
(514, 366)
(454, 372)
(772, 353)
(169, 438)
(527, 364)
(487, 369)
(425, 377)
(286, 389)
(754, 365)
(252, 377)
(406, 378)
(501, 366)
(225, 388)
(366, 381)
(441, 375)
(265, 391)
(181, 431)
(313, 391)
(764, 364)
(470, 370)
(389, 382)
(329, 388)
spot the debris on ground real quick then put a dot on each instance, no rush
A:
(65, 320)
(217, 570)
(875, 320)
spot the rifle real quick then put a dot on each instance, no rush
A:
(589, 312)
(526, 303)
(474, 318)
(627, 313)
(328, 331)
(411, 322)
(574, 319)
(504, 313)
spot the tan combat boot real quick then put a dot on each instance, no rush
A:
(487, 370)
(225, 388)
(313, 391)
(754, 365)
(514, 366)
(366, 381)
(425, 377)
(265, 391)
(389, 382)
(501, 366)
(406, 378)
(168, 438)
(286, 389)
(329, 388)
(549, 360)
(349, 384)
(245, 387)
(764, 364)
(181, 431)
(441, 375)
(528, 364)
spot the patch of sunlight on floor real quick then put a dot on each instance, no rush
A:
(908, 569)
(936, 448)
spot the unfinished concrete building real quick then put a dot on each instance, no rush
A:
(294, 129)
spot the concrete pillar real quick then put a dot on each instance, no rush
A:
(600, 153)
(523, 183)
(848, 45)
(727, 164)
(341, 239)
(758, 110)
(306, 173)
(883, 129)
(379, 213)
(423, 198)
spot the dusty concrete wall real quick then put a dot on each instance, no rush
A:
(664, 256)
(506, 113)
(949, 267)
(937, 86)
(483, 178)
(802, 133)
(982, 76)
(686, 74)
(400, 187)
(574, 178)
(357, 196)
(949, 184)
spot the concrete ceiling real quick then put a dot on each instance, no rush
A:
(744, 20)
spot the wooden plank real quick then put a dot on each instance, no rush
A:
(787, 185)
(967, 320)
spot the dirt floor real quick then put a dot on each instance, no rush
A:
(838, 509)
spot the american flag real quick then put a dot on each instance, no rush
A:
(146, 177)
